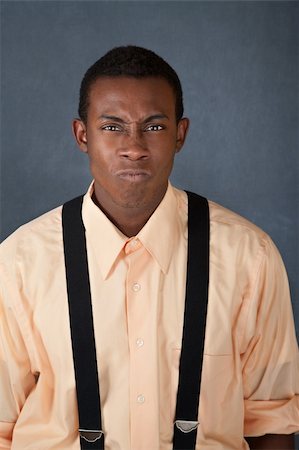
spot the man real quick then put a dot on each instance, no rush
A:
(131, 126)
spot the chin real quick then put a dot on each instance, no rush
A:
(131, 202)
(132, 198)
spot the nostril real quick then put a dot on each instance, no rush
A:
(134, 152)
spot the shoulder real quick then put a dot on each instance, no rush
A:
(224, 218)
(245, 253)
(240, 241)
(233, 238)
(35, 236)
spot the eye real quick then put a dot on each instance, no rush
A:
(111, 128)
(154, 128)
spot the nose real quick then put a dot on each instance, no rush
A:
(134, 147)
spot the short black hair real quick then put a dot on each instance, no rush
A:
(130, 61)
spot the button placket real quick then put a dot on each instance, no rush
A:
(139, 312)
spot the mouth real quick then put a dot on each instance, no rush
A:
(133, 175)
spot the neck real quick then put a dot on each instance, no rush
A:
(128, 220)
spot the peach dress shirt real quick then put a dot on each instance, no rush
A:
(250, 380)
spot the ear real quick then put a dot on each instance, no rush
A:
(182, 130)
(80, 133)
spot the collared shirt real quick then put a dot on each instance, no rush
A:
(250, 368)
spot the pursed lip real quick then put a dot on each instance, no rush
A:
(133, 175)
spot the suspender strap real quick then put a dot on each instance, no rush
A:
(82, 331)
(186, 418)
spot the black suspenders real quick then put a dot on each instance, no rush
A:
(81, 322)
(196, 301)
(82, 331)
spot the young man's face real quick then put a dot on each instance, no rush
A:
(131, 137)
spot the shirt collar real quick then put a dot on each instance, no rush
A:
(158, 235)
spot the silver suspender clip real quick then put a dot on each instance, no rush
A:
(90, 435)
(186, 425)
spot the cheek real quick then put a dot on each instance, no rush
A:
(163, 149)
(100, 154)
(103, 165)
(166, 157)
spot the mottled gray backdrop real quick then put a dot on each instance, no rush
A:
(238, 62)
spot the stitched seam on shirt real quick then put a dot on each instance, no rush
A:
(237, 220)
(260, 259)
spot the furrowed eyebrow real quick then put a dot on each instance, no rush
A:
(146, 120)
(155, 117)
(114, 118)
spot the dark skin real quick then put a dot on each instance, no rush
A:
(131, 138)
(272, 441)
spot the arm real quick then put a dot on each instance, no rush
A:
(270, 362)
(16, 379)
(272, 442)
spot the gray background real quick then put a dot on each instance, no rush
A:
(238, 63)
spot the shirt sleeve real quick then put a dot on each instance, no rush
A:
(271, 360)
(16, 377)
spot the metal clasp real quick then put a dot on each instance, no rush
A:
(186, 426)
(90, 435)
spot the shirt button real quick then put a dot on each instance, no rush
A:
(140, 398)
(136, 287)
(139, 342)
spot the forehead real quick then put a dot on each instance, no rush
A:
(131, 95)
